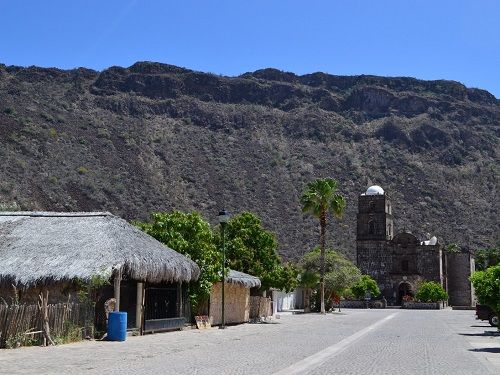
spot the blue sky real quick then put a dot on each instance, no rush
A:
(427, 39)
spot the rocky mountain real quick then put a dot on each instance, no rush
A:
(156, 137)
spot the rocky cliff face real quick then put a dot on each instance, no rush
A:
(155, 137)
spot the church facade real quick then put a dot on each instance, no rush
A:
(399, 262)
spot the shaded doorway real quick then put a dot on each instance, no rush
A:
(404, 289)
(128, 301)
(160, 302)
(163, 307)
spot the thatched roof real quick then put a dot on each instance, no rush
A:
(44, 247)
(248, 281)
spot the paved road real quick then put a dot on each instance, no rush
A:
(353, 342)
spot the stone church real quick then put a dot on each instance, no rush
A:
(400, 261)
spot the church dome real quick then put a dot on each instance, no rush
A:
(375, 190)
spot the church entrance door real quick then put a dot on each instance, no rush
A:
(404, 289)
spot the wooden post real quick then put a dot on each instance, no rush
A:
(138, 307)
(44, 298)
(117, 285)
(143, 313)
(179, 300)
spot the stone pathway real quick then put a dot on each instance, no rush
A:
(352, 342)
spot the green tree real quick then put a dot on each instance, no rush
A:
(431, 291)
(253, 250)
(487, 258)
(88, 291)
(365, 285)
(452, 248)
(487, 288)
(319, 199)
(189, 234)
(340, 272)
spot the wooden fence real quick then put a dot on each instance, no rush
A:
(21, 324)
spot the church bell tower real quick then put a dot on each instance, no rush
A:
(374, 216)
(375, 228)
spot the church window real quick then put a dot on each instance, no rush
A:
(371, 227)
(404, 266)
(371, 206)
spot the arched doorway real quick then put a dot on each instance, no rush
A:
(404, 289)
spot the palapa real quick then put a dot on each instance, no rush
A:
(39, 248)
(244, 279)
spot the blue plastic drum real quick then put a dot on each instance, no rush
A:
(117, 326)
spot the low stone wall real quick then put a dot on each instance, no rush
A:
(423, 305)
(361, 304)
(351, 304)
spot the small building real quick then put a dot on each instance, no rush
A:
(283, 301)
(56, 251)
(236, 298)
(399, 262)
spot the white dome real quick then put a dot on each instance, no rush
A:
(375, 190)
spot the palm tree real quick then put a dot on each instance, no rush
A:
(319, 199)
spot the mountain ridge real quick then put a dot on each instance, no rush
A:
(159, 137)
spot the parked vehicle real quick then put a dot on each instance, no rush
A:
(484, 312)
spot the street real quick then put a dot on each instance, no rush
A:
(351, 342)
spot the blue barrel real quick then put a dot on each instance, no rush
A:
(117, 326)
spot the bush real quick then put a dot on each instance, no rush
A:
(365, 285)
(431, 291)
(487, 286)
(82, 170)
(9, 111)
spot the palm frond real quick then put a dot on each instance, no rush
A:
(321, 195)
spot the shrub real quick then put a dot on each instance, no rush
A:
(9, 111)
(103, 133)
(365, 285)
(431, 291)
(82, 170)
(20, 339)
(487, 258)
(487, 286)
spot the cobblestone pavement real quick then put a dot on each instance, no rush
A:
(352, 342)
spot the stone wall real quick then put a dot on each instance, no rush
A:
(460, 267)
(361, 304)
(402, 260)
(429, 262)
(373, 208)
(374, 259)
(424, 305)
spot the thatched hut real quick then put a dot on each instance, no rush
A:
(237, 298)
(55, 251)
